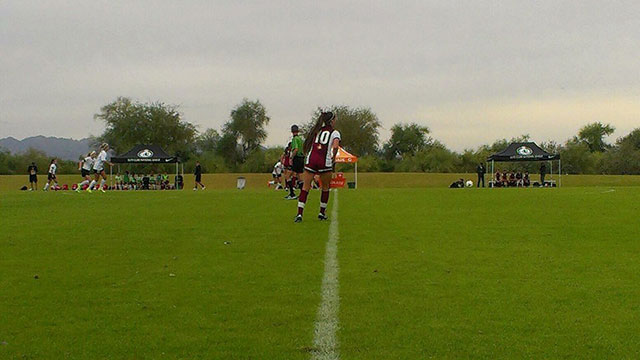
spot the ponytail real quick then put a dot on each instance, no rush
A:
(323, 120)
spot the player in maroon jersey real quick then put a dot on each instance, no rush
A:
(320, 147)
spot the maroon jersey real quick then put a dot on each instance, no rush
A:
(320, 156)
(286, 161)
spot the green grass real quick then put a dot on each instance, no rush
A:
(503, 273)
(365, 180)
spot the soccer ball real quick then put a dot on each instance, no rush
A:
(469, 183)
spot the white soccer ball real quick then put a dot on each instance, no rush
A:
(469, 183)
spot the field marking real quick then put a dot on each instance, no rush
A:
(325, 343)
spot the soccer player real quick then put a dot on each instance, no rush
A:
(198, 175)
(33, 176)
(277, 175)
(85, 166)
(321, 147)
(98, 168)
(286, 163)
(297, 161)
(51, 176)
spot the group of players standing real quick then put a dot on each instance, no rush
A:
(310, 159)
(302, 160)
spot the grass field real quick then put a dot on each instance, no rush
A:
(365, 180)
(226, 274)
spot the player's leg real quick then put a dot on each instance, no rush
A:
(103, 175)
(307, 177)
(325, 180)
(93, 183)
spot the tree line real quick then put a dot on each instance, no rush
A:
(238, 145)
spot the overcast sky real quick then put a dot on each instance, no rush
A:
(473, 71)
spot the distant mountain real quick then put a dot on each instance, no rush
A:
(67, 149)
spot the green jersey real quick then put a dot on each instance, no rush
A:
(296, 143)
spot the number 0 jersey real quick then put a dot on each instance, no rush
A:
(320, 156)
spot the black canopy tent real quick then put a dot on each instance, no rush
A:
(147, 154)
(525, 151)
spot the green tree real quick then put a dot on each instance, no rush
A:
(593, 136)
(129, 123)
(406, 140)
(624, 157)
(358, 128)
(247, 126)
(208, 141)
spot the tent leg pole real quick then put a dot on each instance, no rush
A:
(493, 174)
(559, 172)
(356, 175)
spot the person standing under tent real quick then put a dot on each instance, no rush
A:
(481, 171)
(85, 167)
(198, 175)
(51, 176)
(543, 172)
(33, 176)
(321, 147)
(297, 160)
(98, 168)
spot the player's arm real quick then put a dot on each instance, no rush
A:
(334, 147)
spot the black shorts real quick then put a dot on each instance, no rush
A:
(33, 178)
(51, 176)
(276, 176)
(84, 173)
(95, 171)
(298, 164)
(198, 177)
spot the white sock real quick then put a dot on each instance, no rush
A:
(46, 186)
(102, 183)
(83, 183)
(93, 183)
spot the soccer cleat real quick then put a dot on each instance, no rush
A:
(101, 189)
(89, 191)
(195, 189)
(322, 217)
(78, 189)
(298, 219)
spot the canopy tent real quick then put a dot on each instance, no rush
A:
(345, 157)
(147, 154)
(525, 151)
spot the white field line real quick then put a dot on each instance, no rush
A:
(325, 343)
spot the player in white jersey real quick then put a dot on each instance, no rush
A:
(98, 168)
(51, 176)
(85, 165)
(278, 168)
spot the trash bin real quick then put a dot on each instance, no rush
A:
(241, 182)
(351, 185)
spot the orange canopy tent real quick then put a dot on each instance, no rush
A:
(344, 157)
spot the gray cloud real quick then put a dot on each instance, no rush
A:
(472, 71)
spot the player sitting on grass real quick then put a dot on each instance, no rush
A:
(321, 146)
